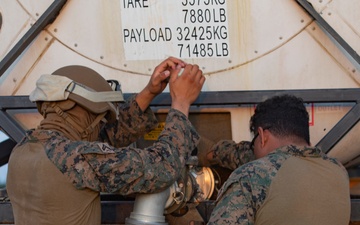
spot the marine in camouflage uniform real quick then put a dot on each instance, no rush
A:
(54, 178)
(293, 184)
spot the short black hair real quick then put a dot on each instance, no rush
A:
(284, 115)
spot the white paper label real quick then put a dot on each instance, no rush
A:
(156, 29)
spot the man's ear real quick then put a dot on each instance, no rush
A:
(261, 136)
(264, 136)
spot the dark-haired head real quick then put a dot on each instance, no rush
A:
(284, 116)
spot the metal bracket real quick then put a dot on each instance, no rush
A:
(316, 16)
(45, 19)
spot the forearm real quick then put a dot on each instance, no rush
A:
(132, 170)
(165, 159)
(144, 99)
(231, 155)
(133, 123)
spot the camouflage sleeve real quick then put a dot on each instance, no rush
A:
(245, 191)
(231, 155)
(128, 170)
(234, 205)
(132, 124)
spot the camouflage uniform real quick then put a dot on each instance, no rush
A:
(291, 185)
(69, 175)
(231, 155)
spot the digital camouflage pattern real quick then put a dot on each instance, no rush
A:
(247, 188)
(132, 124)
(104, 168)
(55, 180)
(231, 155)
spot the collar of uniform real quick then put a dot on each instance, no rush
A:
(302, 151)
